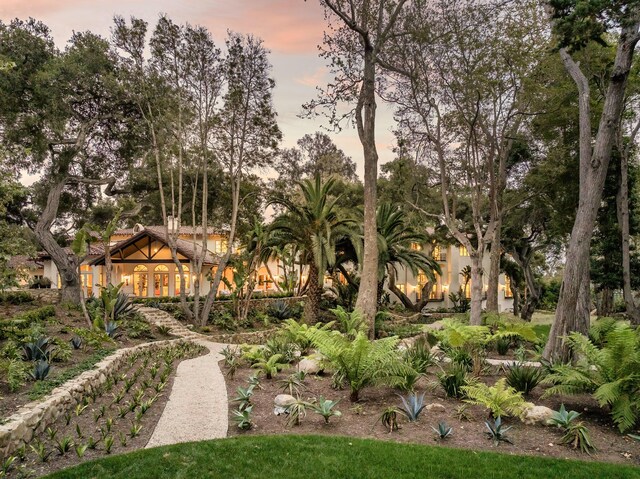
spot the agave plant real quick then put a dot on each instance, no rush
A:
(243, 418)
(111, 328)
(563, 418)
(412, 406)
(325, 408)
(39, 350)
(76, 342)
(40, 371)
(360, 361)
(443, 431)
(280, 310)
(497, 431)
(524, 378)
(609, 372)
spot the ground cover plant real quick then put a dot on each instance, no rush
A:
(117, 417)
(300, 457)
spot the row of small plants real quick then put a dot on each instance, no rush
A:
(109, 416)
(29, 351)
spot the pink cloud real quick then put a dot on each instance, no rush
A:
(314, 79)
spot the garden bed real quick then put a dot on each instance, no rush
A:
(123, 411)
(61, 324)
(362, 419)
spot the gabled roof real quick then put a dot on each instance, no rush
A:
(95, 249)
(183, 230)
(184, 247)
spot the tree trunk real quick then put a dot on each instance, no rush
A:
(594, 162)
(314, 295)
(476, 289)
(533, 298)
(365, 121)
(67, 263)
(515, 290)
(622, 200)
(494, 269)
(605, 303)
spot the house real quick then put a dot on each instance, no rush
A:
(28, 270)
(453, 259)
(141, 260)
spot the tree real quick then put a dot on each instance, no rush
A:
(62, 115)
(245, 130)
(356, 50)
(460, 102)
(313, 227)
(576, 23)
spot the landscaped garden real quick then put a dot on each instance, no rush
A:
(440, 387)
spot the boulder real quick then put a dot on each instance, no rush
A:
(281, 403)
(310, 365)
(437, 407)
(537, 415)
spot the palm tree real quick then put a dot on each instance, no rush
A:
(395, 238)
(314, 227)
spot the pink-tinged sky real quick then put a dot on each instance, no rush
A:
(291, 29)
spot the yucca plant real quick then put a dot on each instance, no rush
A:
(293, 384)
(500, 399)
(576, 435)
(412, 406)
(524, 378)
(40, 449)
(325, 408)
(108, 444)
(243, 397)
(497, 432)
(389, 418)
(297, 411)
(443, 431)
(64, 445)
(360, 361)
(611, 372)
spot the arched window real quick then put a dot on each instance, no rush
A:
(140, 280)
(161, 281)
(185, 274)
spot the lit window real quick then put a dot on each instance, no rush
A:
(508, 293)
(185, 274)
(416, 246)
(463, 251)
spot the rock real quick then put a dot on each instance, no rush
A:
(282, 402)
(537, 415)
(437, 407)
(310, 366)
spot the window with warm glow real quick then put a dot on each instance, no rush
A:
(508, 293)
(416, 246)
(185, 274)
(464, 251)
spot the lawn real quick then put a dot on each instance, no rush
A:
(332, 457)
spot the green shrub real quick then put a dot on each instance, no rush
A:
(453, 380)
(419, 355)
(609, 373)
(16, 297)
(360, 361)
(14, 373)
(500, 399)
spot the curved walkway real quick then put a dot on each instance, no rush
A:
(197, 408)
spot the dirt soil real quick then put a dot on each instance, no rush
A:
(362, 419)
(90, 425)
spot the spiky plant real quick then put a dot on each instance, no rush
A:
(524, 378)
(325, 407)
(412, 406)
(362, 362)
(500, 399)
(611, 373)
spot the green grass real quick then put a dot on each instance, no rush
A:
(318, 457)
(42, 388)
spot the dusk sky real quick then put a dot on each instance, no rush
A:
(291, 30)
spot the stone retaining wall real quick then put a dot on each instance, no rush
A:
(35, 417)
(248, 337)
(45, 295)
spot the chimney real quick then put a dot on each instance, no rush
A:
(173, 224)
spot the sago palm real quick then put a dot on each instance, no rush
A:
(362, 362)
(611, 373)
(314, 227)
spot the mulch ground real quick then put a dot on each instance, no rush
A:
(362, 419)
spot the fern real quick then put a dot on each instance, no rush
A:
(362, 362)
(500, 399)
(610, 372)
(351, 322)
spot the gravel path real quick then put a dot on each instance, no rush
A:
(197, 408)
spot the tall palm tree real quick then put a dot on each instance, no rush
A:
(395, 238)
(314, 226)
